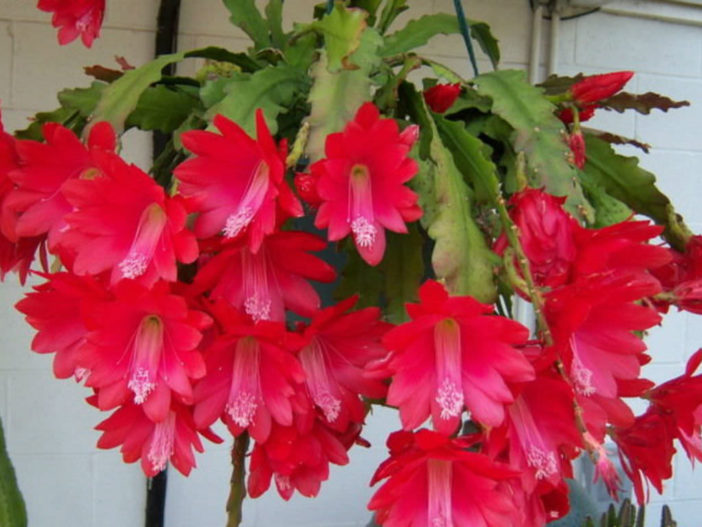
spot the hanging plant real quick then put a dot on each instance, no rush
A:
(172, 292)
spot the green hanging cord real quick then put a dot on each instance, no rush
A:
(330, 6)
(465, 31)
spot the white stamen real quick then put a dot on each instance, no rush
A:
(141, 385)
(258, 308)
(544, 462)
(81, 374)
(133, 265)
(283, 482)
(242, 409)
(161, 448)
(330, 405)
(450, 399)
(582, 377)
(237, 222)
(364, 232)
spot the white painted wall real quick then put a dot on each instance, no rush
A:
(67, 482)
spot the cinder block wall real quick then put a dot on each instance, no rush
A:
(66, 481)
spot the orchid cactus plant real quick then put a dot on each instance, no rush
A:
(189, 294)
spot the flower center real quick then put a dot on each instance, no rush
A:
(581, 375)
(538, 454)
(439, 476)
(244, 393)
(447, 347)
(260, 287)
(313, 361)
(251, 201)
(148, 344)
(162, 442)
(148, 234)
(360, 214)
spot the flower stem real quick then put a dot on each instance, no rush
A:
(237, 491)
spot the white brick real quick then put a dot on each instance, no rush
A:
(207, 17)
(3, 399)
(22, 10)
(688, 481)
(207, 485)
(512, 31)
(57, 489)
(678, 129)
(16, 120)
(5, 64)
(48, 416)
(17, 334)
(666, 343)
(119, 491)
(35, 48)
(132, 14)
(137, 148)
(608, 41)
(678, 177)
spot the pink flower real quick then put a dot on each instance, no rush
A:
(539, 429)
(266, 283)
(338, 348)
(298, 459)
(253, 377)
(236, 182)
(361, 182)
(44, 169)
(593, 323)
(442, 96)
(547, 234)
(155, 444)
(57, 310)
(143, 346)
(454, 353)
(75, 17)
(434, 481)
(124, 223)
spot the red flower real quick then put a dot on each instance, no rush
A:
(154, 444)
(253, 377)
(453, 353)
(576, 143)
(361, 182)
(124, 223)
(266, 283)
(593, 323)
(143, 346)
(590, 90)
(57, 309)
(338, 348)
(44, 169)
(15, 255)
(646, 449)
(306, 186)
(547, 235)
(622, 247)
(298, 459)
(585, 114)
(595, 88)
(434, 480)
(682, 277)
(679, 401)
(236, 181)
(442, 96)
(75, 17)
